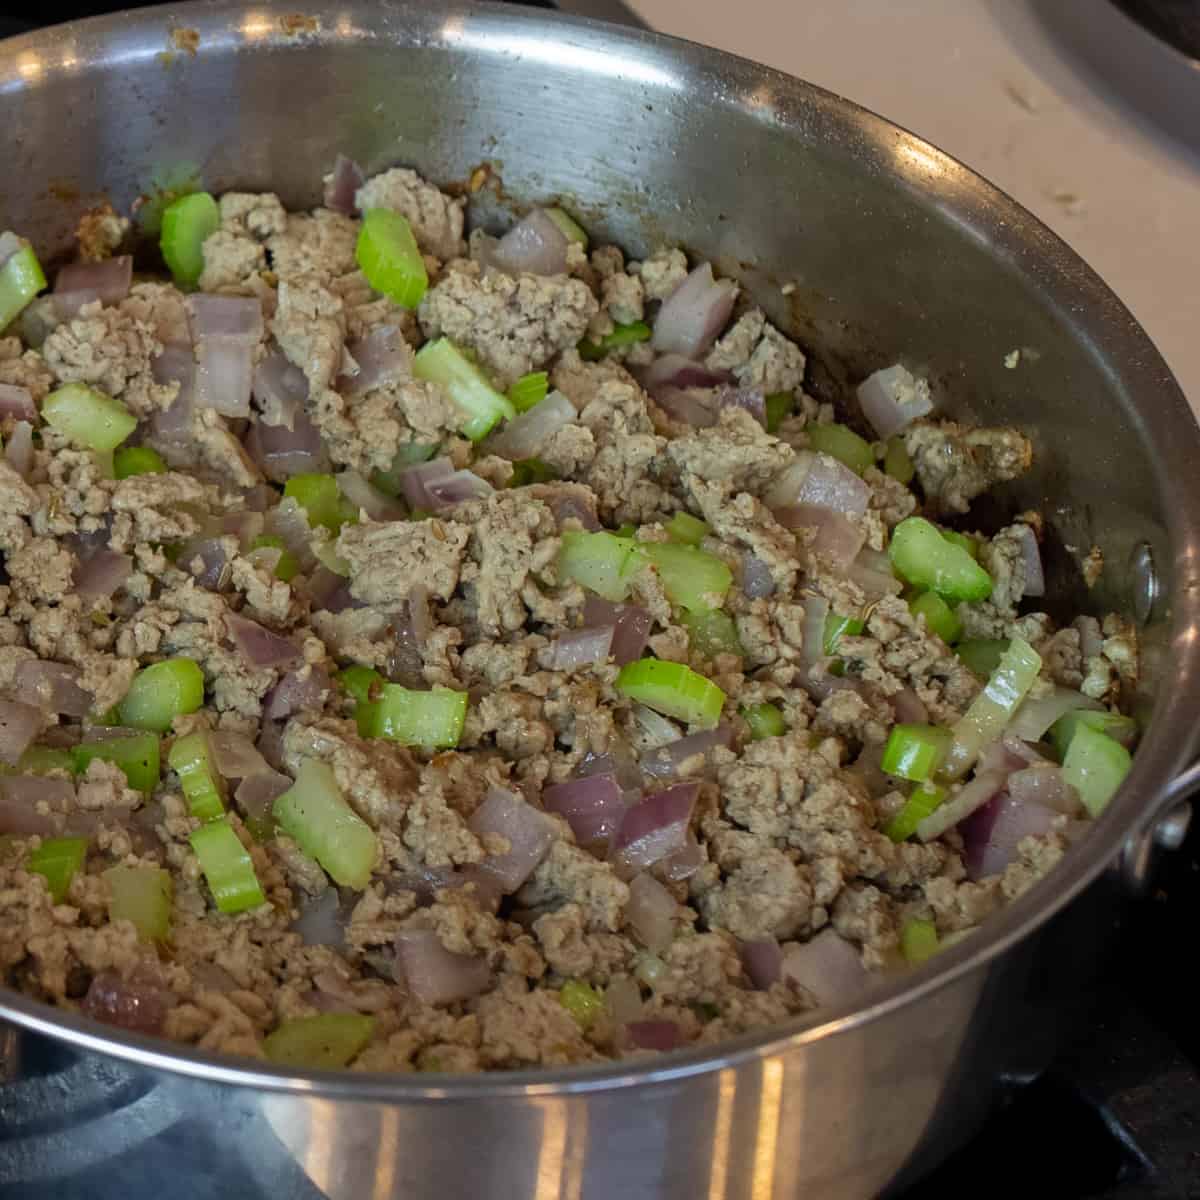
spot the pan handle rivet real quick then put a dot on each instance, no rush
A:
(1144, 582)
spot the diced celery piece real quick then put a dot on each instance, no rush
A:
(1095, 766)
(141, 895)
(940, 618)
(531, 470)
(186, 225)
(162, 692)
(137, 460)
(924, 558)
(363, 683)
(765, 720)
(692, 578)
(915, 751)
(481, 405)
(21, 278)
(602, 562)
(88, 417)
(1120, 728)
(227, 867)
(582, 1001)
(622, 335)
(529, 391)
(991, 710)
(41, 760)
(287, 567)
(922, 801)
(58, 860)
(842, 443)
(432, 719)
(408, 455)
(711, 632)
(689, 530)
(969, 544)
(572, 230)
(326, 1041)
(388, 255)
(779, 408)
(192, 759)
(896, 462)
(981, 655)
(321, 498)
(673, 690)
(918, 941)
(325, 552)
(136, 755)
(835, 626)
(326, 828)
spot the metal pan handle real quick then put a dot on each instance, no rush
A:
(1165, 829)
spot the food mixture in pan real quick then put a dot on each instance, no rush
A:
(432, 653)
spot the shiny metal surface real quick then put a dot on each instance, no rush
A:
(895, 250)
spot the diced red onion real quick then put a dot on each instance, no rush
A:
(757, 581)
(424, 882)
(892, 399)
(236, 756)
(260, 646)
(374, 503)
(18, 796)
(657, 730)
(270, 744)
(656, 1034)
(816, 613)
(245, 525)
(992, 832)
(280, 389)
(330, 592)
(224, 371)
(81, 283)
(592, 806)
(632, 626)
(419, 616)
(134, 1004)
(341, 184)
(207, 559)
(383, 357)
(1008, 754)
(682, 864)
(303, 690)
(433, 974)
(211, 978)
(676, 371)
(568, 505)
(623, 999)
(321, 921)
(288, 521)
(837, 539)
(18, 451)
(413, 481)
(9, 245)
(1090, 640)
(582, 648)
(874, 581)
(652, 912)
(102, 573)
(654, 828)
(618, 760)
(256, 793)
(820, 684)
(457, 488)
(867, 767)
(406, 661)
(1044, 784)
(828, 967)
(524, 436)
(694, 314)
(692, 406)
(534, 245)
(763, 961)
(909, 707)
(230, 318)
(1035, 579)
(528, 831)
(176, 364)
(958, 807)
(665, 761)
(20, 723)
(820, 480)
(1036, 714)
(17, 402)
(53, 687)
(749, 398)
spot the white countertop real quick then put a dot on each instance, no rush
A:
(987, 82)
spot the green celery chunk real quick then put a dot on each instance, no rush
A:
(326, 1041)
(141, 895)
(765, 720)
(992, 709)
(57, 860)
(364, 685)
(1120, 728)
(529, 391)
(432, 719)
(622, 335)
(602, 562)
(685, 528)
(711, 632)
(981, 655)
(584, 1002)
(407, 456)
(326, 554)
(136, 755)
(88, 417)
(227, 867)
(940, 618)
(21, 278)
(388, 255)
(842, 443)
(779, 408)
(287, 566)
(531, 470)
(896, 462)
(1095, 765)
(322, 500)
(915, 751)
(692, 578)
(572, 230)
(314, 813)
(918, 941)
(673, 690)
(924, 558)
(969, 544)
(137, 460)
(41, 760)
(192, 759)
(835, 626)
(186, 225)
(481, 405)
(922, 801)
(162, 692)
